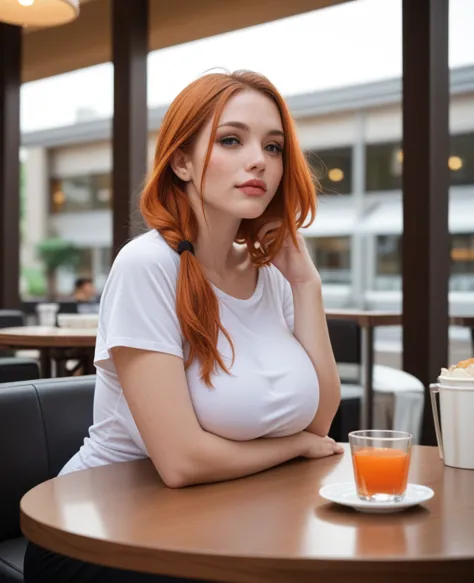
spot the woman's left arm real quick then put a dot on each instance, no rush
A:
(311, 330)
(310, 326)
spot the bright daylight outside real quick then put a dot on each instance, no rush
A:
(197, 382)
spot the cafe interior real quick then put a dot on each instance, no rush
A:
(124, 517)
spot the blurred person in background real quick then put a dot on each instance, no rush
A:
(84, 290)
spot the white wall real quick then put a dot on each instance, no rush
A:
(327, 131)
(93, 158)
(461, 115)
(85, 229)
(81, 159)
(384, 124)
(35, 227)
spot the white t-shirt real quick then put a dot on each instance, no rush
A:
(273, 389)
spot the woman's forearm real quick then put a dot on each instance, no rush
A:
(311, 331)
(213, 458)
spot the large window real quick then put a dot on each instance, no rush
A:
(332, 256)
(383, 169)
(333, 169)
(462, 262)
(384, 163)
(461, 159)
(81, 193)
(388, 263)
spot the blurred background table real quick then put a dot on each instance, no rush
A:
(55, 345)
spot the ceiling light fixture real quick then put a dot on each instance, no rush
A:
(38, 13)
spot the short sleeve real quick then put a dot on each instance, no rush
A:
(138, 306)
(288, 306)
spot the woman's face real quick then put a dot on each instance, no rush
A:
(246, 163)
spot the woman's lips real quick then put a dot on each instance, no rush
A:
(252, 190)
(253, 187)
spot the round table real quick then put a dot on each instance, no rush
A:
(54, 344)
(270, 527)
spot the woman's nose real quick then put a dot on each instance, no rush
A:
(256, 160)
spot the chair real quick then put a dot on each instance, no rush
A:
(346, 419)
(46, 423)
(17, 369)
(67, 307)
(10, 319)
(398, 396)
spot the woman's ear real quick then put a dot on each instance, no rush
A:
(181, 165)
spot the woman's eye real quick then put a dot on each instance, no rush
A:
(229, 141)
(275, 148)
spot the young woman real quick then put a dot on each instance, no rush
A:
(213, 356)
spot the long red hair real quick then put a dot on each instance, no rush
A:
(165, 205)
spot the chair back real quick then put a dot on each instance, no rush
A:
(11, 318)
(346, 341)
(15, 369)
(42, 425)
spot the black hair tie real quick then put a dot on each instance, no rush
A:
(185, 246)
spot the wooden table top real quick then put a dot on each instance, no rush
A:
(270, 527)
(47, 337)
(467, 321)
(366, 318)
(373, 318)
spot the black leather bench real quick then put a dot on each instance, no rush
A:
(16, 369)
(42, 424)
(10, 319)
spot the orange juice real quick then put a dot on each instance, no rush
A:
(381, 470)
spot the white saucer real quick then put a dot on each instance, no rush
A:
(345, 494)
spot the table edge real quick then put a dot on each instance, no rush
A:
(170, 561)
(48, 341)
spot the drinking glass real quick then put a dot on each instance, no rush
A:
(381, 460)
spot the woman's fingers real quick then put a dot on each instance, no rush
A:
(267, 227)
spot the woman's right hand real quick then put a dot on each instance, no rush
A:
(317, 447)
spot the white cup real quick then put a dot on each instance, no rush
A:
(454, 422)
(78, 321)
(47, 314)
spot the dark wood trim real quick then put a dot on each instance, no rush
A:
(366, 318)
(467, 321)
(86, 41)
(130, 128)
(10, 63)
(426, 242)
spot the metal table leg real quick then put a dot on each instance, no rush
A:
(89, 367)
(45, 363)
(367, 406)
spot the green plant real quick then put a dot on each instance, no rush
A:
(35, 281)
(55, 252)
(22, 200)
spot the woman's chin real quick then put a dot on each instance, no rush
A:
(251, 209)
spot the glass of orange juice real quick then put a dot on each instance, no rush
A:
(381, 461)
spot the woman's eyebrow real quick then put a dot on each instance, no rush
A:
(242, 126)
